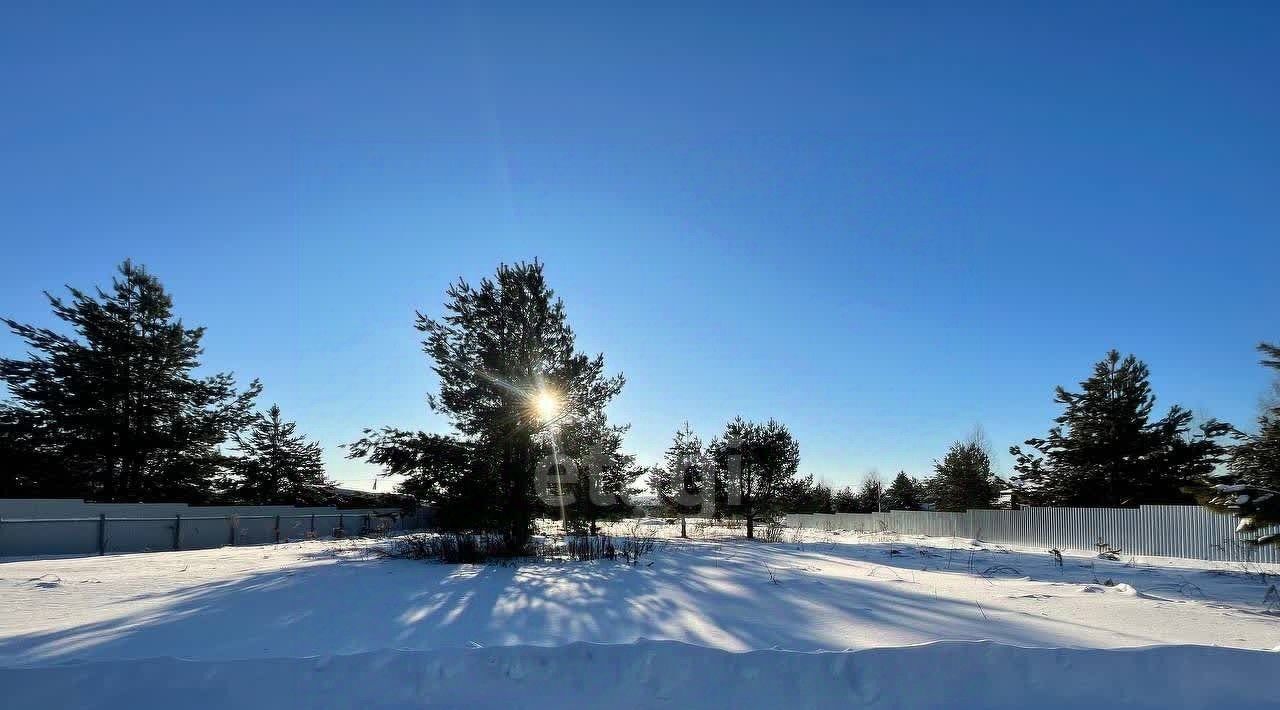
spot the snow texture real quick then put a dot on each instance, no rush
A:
(668, 674)
(325, 624)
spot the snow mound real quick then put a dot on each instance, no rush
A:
(668, 673)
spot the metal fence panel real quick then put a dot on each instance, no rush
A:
(144, 535)
(53, 537)
(1156, 530)
(61, 527)
(203, 532)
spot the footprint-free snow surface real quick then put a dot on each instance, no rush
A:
(875, 621)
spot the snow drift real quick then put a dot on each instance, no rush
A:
(666, 673)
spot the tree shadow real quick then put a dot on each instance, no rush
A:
(737, 596)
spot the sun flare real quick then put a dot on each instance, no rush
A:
(546, 405)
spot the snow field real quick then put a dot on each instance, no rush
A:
(894, 622)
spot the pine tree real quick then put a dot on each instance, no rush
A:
(1256, 459)
(1105, 450)
(509, 377)
(277, 465)
(1250, 487)
(115, 412)
(963, 478)
(902, 494)
(804, 495)
(845, 501)
(607, 474)
(28, 469)
(680, 482)
(870, 498)
(440, 470)
(820, 497)
(757, 462)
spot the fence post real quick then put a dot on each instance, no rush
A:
(277, 529)
(313, 524)
(102, 533)
(177, 531)
(231, 528)
(340, 530)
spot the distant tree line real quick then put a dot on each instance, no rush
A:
(114, 411)
(961, 480)
(1108, 448)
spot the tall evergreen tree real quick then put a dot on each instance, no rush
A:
(845, 501)
(1256, 459)
(680, 483)
(27, 466)
(902, 494)
(871, 495)
(509, 376)
(1105, 450)
(277, 465)
(115, 412)
(805, 495)
(442, 471)
(758, 461)
(1250, 487)
(607, 474)
(963, 478)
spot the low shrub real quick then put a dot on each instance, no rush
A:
(481, 548)
(455, 547)
(775, 532)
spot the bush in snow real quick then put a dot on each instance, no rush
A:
(481, 548)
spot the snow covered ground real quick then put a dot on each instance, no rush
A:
(297, 618)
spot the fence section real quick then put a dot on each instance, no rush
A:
(1158, 530)
(136, 530)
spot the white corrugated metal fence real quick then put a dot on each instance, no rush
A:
(1159, 530)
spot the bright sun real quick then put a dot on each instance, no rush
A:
(547, 405)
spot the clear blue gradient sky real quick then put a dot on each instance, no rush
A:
(881, 224)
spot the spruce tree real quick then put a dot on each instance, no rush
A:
(820, 497)
(845, 501)
(804, 495)
(870, 497)
(1106, 451)
(277, 465)
(116, 412)
(509, 377)
(963, 478)
(902, 494)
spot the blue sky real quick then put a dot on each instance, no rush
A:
(881, 224)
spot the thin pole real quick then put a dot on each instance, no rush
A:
(177, 532)
(102, 533)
